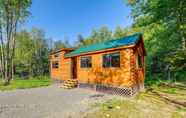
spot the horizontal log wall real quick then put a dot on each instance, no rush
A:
(64, 70)
(138, 74)
(107, 76)
(127, 75)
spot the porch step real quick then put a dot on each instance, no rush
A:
(69, 84)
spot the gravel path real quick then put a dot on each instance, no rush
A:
(47, 102)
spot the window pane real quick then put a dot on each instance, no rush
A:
(106, 60)
(89, 64)
(82, 62)
(115, 60)
(111, 60)
(55, 64)
(86, 62)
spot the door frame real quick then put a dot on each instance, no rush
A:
(73, 68)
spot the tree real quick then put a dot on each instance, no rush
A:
(31, 53)
(80, 40)
(12, 12)
(170, 13)
(59, 44)
(41, 50)
(119, 33)
(104, 34)
(163, 24)
(98, 36)
(24, 53)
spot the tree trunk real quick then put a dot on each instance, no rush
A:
(12, 77)
(13, 49)
(7, 73)
(11, 13)
(184, 44)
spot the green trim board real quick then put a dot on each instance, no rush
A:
(128, 40)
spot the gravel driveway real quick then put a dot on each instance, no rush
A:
(46, 102)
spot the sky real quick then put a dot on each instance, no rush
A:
(62, 19)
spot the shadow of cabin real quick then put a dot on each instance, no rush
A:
(118, 63)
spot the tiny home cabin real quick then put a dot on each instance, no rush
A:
(116, 65)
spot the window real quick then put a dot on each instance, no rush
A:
(86, 62)
(111, 60)
(55, 64)
(139, 61)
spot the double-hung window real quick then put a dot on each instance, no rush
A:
(86, 62)
(111, 60)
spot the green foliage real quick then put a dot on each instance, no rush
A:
(154, 82)
(18, 8)
(19, 83)
(171, 14)
(170, 90)
(177, 60)
(60, 44)
(96, 36)
(120, 32)
(162, 23)
(12, 14)
(31, 54)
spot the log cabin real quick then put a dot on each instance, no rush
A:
(115, 66)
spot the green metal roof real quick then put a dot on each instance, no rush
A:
(129, 40)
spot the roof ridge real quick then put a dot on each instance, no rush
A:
(112, 43)
(110, 40)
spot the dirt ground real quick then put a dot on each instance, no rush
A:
(55, 102)
(48, 102)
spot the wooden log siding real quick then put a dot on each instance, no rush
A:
(64, 70)
(115, 76)
(124, 80)
(138, 74)
(127, 75)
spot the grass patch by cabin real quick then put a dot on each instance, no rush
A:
(19, 83)
(162, 101)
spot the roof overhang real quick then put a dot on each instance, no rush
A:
(101, 51)
(60, 50)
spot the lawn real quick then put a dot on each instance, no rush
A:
(26, 83)
(156, 102)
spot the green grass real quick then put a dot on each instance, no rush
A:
(144, 105)
(25, 84)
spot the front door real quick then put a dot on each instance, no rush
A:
(74, 68)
